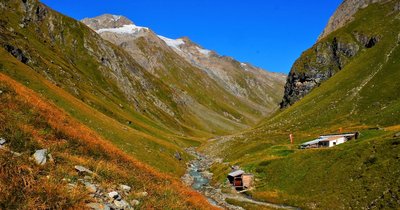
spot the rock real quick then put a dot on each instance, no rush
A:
(40, 156)
(135, 202)
(2, 141)
(82, 169)
(17, 53)
(397, 134)
(125, 188)
(98, 206)
(178, 156)
(114, 195)
(142, 194)
(308, 72)
(90, 187)
(121, 204)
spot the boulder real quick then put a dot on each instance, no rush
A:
(114, 195)
(90, 187)
(125, 188)
(2, 141)
(122, 204)
(82, 169)
(40, 156)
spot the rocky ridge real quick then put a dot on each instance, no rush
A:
(344, 14)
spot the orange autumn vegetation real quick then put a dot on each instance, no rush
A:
(84, 146)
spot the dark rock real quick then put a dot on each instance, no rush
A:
(178, 156)
(17, 53)
(310, 70)
(41, 12)
(367, 41)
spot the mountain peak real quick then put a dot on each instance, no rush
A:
(107, 21)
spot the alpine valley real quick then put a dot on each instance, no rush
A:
(104, 114)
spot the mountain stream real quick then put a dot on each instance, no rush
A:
(198, 177)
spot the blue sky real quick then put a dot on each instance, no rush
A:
(267, 33)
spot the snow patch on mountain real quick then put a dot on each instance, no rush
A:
(116, 17)
(126, 29)
(175, 43)
(203, 51)
(244, 66)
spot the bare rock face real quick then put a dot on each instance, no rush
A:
(310, 71)
(107, 21)
(344, 14)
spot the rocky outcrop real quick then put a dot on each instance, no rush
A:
(344, 14)
(316, 65)
(107, 21)
(329, 55)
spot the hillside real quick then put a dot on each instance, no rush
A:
(30, 123)
(219, 92)
(362, 95)
(329, 56)
(94, 81)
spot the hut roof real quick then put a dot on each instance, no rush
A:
(236, 173)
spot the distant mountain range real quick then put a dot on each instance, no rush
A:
(207, 80)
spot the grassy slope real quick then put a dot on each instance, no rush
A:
(127, 138)
(364, 94)
(30, 122)
(176, 71)
(67, 74)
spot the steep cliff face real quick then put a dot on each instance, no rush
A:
(330, 54)
(317, 65)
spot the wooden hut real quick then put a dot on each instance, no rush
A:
(240, 180)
